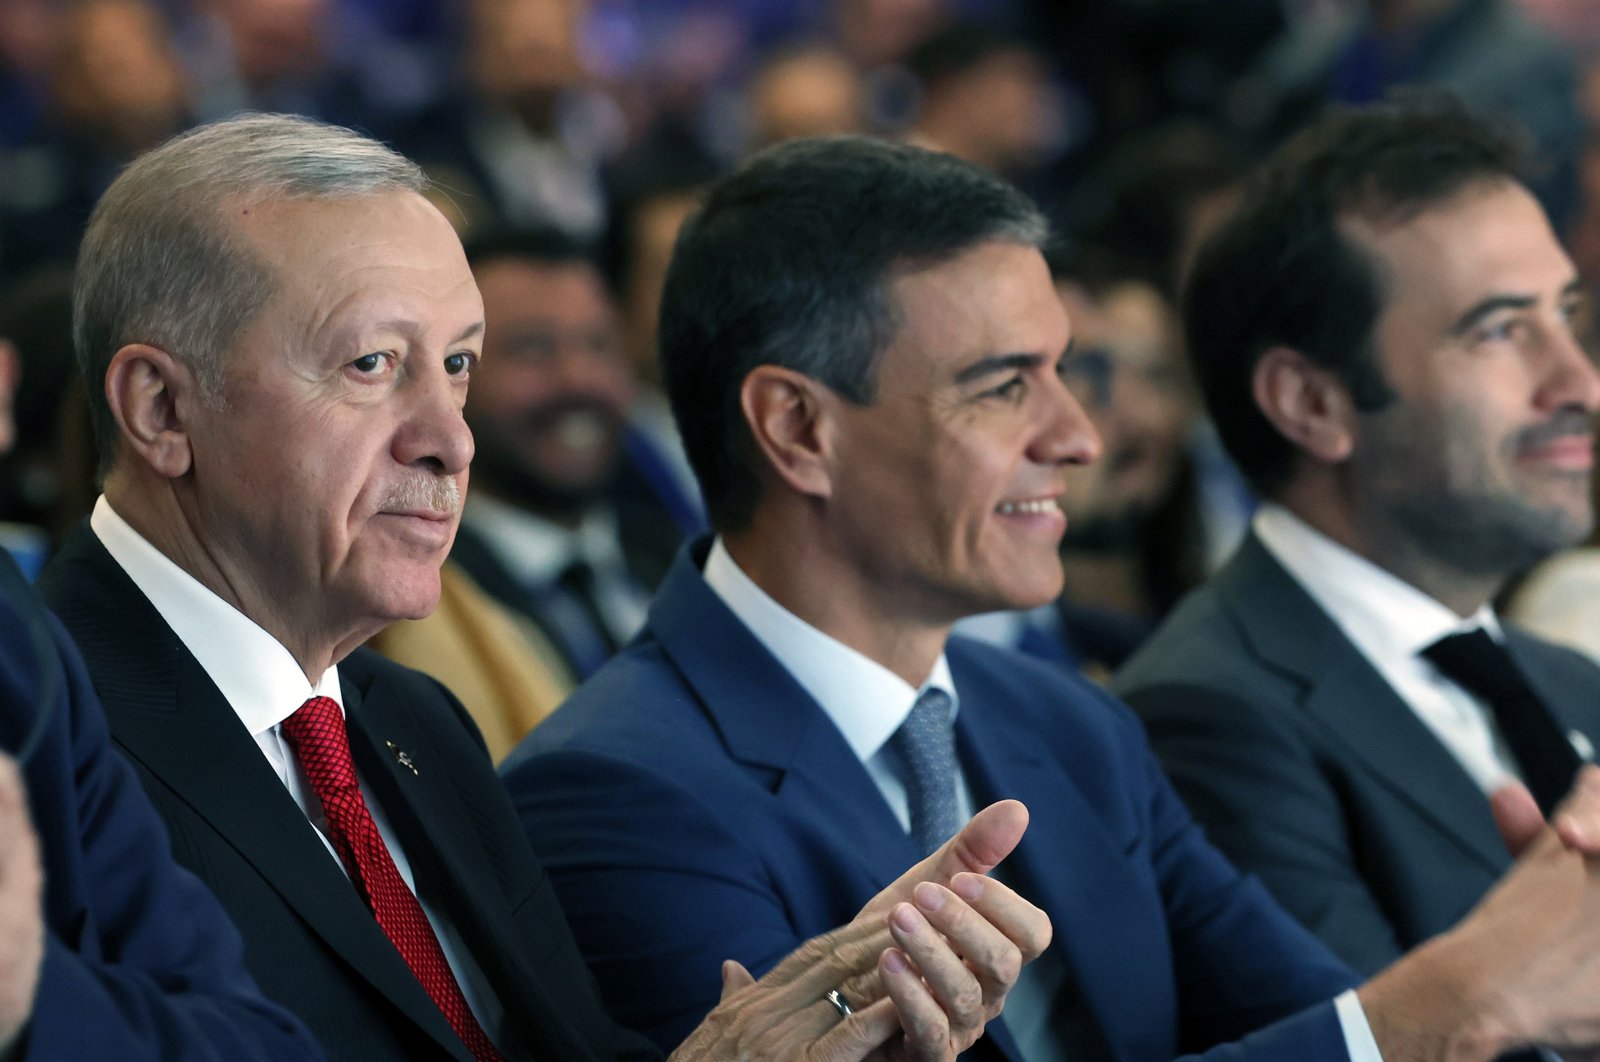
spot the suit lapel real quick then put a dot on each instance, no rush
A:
(1571, 702)
(426, 811)
(1347, 695)
(1070, 866)
(772, 726)
(169, 716)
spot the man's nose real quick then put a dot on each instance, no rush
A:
(434, 433)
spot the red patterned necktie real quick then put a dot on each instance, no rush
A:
(317, 735)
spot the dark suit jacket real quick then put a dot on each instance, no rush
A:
(310, 941)
(140, 961)
(1308, 770)
(645, 534)
(693, 803)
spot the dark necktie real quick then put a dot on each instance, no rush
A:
(1481, 666)
(927, 742)
(316, 733)
(572, 613)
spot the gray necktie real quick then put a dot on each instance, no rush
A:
(927, 742)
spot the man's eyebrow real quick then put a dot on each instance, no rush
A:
(997, 363)
(1493, 304)
(473, 329)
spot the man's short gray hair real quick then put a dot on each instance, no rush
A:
(159, 265)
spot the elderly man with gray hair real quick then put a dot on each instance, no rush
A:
(279, 330)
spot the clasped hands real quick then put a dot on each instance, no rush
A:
(925, 966)
(1523, 968)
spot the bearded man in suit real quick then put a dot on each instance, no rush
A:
(1388, 336)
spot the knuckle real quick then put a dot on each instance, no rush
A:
(967, 1003)
(1008, 967)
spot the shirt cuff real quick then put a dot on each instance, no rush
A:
(1358, 1039)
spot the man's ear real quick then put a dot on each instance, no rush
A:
(150, 391)
(1308, 404)
(785, 411)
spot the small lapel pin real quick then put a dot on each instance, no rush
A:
(401, 756)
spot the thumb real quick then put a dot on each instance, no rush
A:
(1516, 815)
(980, 846)
(734, 977)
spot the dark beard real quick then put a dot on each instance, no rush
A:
(497, 470)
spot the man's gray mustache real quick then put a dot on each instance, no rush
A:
(422, 490)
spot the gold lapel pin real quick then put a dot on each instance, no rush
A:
(401, 756)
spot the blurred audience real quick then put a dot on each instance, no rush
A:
(809, 90)
(643, 232)
(541, 533)
(522, 138)
(114, 89)
(986, 97)
(47, 478)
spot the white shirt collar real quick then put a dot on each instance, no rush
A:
(1384, 615)
(256, 674)
(1389, 622)
(865, 700)
(536, 550)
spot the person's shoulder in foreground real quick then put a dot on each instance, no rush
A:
(137, 960)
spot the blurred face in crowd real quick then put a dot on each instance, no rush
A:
(524, 52)
(809, 93)
(1484, 458)
(117, 76)
(945, 487)
(549, 404)
(327, 481)
(273, 39)
(656, 222)
(1131, 379)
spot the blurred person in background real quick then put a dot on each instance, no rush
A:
(805, 90)
(644, 228)
(46, 481)
(522, 139)
(1488, 52)
(985, 97)
(541, 533)
(115, 89)
(1132, 544)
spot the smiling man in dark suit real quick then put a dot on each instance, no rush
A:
(1387, 333)
(281, 329)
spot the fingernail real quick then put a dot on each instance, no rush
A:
(929, 897)
(968, 886)
(906, 917)
(894, 961)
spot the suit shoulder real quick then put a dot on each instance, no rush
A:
(637, 705)
(1200, 643)
(1044, 697)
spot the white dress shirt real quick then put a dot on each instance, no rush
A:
(868, 702)
(536, 551)
(264, 684)
(1390, 622)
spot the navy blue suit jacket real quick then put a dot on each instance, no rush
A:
(140, 961)
(692, 803)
